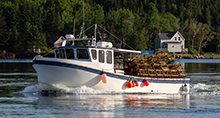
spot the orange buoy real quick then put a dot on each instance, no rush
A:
(103, 77)
(129, 84)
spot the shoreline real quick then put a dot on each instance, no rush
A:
(197, 57)
(32, 55)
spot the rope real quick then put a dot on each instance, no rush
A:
(109, 33)
(117, 38)
(46, 54)
(86, 29)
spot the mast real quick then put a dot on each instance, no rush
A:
(83, 23)
(74, 27)
(95, 30)
(83, 17)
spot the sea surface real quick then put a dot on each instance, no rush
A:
(20, 96)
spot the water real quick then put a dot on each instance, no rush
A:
(20, 96)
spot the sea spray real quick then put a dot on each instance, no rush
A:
(195, 89)
(203, 89)
(34, 90)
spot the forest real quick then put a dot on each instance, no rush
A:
(28, 23)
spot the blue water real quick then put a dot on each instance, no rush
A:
(20, 96)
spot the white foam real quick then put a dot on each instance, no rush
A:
(82, 90)
(198, 86)
(88, 90)
(196, 89)
(31, 89)
(203, 89)
(34, 90)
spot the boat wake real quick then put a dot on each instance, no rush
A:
(196, 89)
(203, 89)
(34, 90)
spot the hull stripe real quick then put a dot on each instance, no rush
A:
(124, 77)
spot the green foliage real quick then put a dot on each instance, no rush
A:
(24, 23)
(201, 52)
(123, 20)
(194, 52)
(211, 54)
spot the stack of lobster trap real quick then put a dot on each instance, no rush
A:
(160, 65)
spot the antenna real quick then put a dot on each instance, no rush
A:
(83, 17)
(95, 30)
(83, 23)
(74, 27)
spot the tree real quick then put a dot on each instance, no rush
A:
(122, 21)
(205, 34)
(192, 28)
(11, 14)
(139, 39)
(3, 33)
(171, 22)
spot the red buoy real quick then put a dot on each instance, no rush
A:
(146, 83)
(136, 83)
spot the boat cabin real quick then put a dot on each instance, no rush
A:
(98, 55)
(101, 55)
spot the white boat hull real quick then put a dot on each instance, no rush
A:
(51, 74)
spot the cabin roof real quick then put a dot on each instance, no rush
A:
(114, 49)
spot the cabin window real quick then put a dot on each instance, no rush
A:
(82, 54)
(175, 38)
(109, 57)
(101, 56)
(62, 54)
(69, 53)
(179, 38)
(94, 54)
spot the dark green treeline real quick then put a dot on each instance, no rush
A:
(24, 23)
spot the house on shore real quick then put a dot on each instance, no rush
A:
(171, 42)
(55, 41)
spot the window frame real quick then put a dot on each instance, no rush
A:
(62, 53)
(107, 57)
(101, 55)
(94, 53)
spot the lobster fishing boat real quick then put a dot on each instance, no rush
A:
(94, 66)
